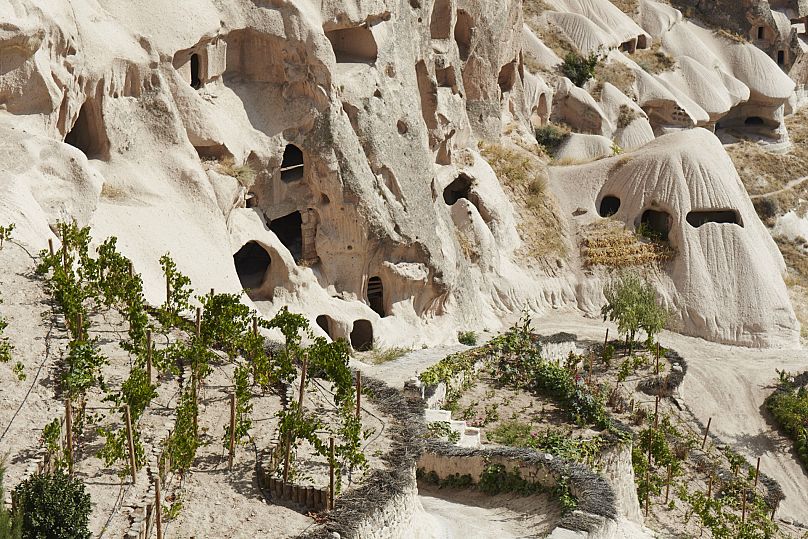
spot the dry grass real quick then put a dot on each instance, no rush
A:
(653, 59)
(732, 36)
(534, 8)
(243, 173)
(378, 356)
(524, 176)
(467, 247)
(795, 254)
(555, 39)
(608, 243)
(617, 74)
(764, 172)
(625, 116)
(629, 7)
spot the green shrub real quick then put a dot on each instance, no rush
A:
(580, 69)
(54, 506)
(10, 523)
(551, 137)
(5, 234)
(632, 303)
(789, 406)
(469, 338)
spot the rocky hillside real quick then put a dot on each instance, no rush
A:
(399, 170)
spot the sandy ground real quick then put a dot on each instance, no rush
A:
(462, 514)
(216, 502)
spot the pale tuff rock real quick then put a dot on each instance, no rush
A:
(354, 130)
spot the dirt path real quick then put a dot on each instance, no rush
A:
(790, 185)
(462, 514)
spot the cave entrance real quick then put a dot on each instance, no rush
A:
(326, 323)
(252, 263)
(362, 335)
(88, 134)
(293, 165)
(353, 45)
(440, 26)
(781, 58)
(290, 231)
(507, 77)
(656, 224)
(375, 293)
(462, 34)
(609, 206)
(697, 218)
(459, 188)
(196, 78)
(753, 121)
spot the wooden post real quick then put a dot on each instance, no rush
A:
(64, 256)
(149, 355)
(131, 441)
(50, 246)
(668, 483)
(647, 489)
(606, 340)
(656, 413)
(650, 443)
(79, 326)
(168, 291)
(591, 363)
(232, 430)
(212, 292)
(198, 321)
(255, 325)
(69, 433)
(158, 508)
(710, 486)
(358, 395)
(286, 460)
(303, 381)
(757, 472)
(196, 407)
(706, 432)
(657, 358)
(743, 508)
(331, 473)
(131, 270)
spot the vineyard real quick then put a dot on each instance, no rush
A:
(612, 393)
(185, 395)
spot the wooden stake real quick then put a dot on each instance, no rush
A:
(650, 442)
(591, 362)
(168, 291)
(64, 257)
(198, 321)
(710, 486)
(757, 472)
(668, 483)
(131, 270)
(255, 325)
(358, 395)
(706, 432)
(149, 355)
(656, 413)
(287, 450)
(331, 473)
(743, 508)
(50, 246)
(79, 326)
(69, 433)
(158, 507)
(303, 381)
(232, 430)
(657, 358)
(606, 340)
(212, 292)
(130, 439)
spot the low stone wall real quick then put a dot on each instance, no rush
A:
(597, 507)
(616, 467)
(383, 506)
(309, 497)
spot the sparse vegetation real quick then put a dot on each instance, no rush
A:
(552, 136)
(625, 116)
(653, 59)
(442, 430)
(579, 69)
(789, 407)
(5, 233)
(617, 74)
(469, 338)
(383, 355)
(245, 174)
(608, 243)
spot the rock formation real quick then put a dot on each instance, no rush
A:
(326, 155)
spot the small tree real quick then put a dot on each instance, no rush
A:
(632, 303)
(54, 506)
(579, 69)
